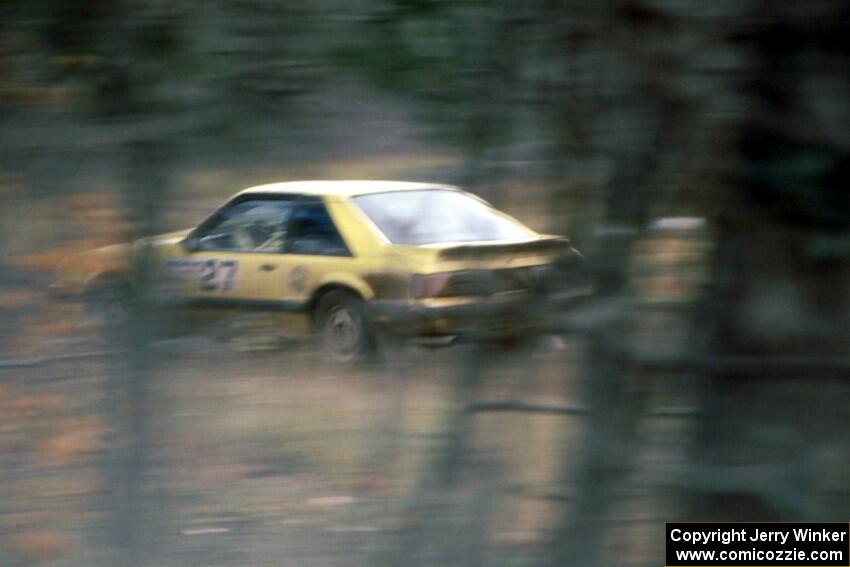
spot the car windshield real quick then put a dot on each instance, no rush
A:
(438, 216)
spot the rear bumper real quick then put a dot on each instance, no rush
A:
(513, 314)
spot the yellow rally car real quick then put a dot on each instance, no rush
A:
(347, 258)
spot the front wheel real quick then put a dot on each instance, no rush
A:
(107, 306)
(343, 327)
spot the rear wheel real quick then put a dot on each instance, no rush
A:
(343, 327)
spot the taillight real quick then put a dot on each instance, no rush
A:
(430, 285)
(471, 283)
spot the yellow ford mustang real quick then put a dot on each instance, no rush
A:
(346, 258)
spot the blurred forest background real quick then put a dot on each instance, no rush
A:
(697, 152)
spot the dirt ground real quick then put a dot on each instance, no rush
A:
(272, 456)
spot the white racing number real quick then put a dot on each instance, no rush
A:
(212, 275)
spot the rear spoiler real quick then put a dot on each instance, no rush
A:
(553, 245)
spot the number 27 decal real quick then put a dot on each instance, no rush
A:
(218, 275)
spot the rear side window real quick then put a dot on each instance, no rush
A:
(438, 216)
(312, 231)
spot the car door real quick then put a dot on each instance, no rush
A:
(313, 252)
(232, 260)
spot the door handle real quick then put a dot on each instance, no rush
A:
(268, 267)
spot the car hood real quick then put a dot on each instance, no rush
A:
(116, 256)
(168, 237)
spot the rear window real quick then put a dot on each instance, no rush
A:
(437, 216)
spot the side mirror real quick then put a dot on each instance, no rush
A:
(191, 243)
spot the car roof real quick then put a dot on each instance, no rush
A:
(347, 188)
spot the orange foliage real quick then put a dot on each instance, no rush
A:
(17, 405)
(95, 207)
(72, 256)
(44, 546)
(78, 61)
(74, 440)
(15, 298)
(102, 218)
(38, 95)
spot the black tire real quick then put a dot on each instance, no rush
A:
(108, 305)
(343, 328)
